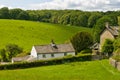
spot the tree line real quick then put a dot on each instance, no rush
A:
(66, 17)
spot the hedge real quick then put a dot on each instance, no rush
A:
(39, 63)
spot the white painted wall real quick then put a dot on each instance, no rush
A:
(56, 55)
(33, 52)
(39, 56)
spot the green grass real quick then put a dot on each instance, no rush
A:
(28, 33)
(91, 70)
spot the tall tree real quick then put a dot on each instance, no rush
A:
(93, 19)
(23, 15)
(81, 41)
(4, 13)
(14, 13)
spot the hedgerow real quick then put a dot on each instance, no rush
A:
(39, 63)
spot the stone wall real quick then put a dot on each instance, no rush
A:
(114, 63)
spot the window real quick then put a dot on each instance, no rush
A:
(65, 54)
(52, 55)
(44, 56)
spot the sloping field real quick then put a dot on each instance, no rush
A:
(28, 33)
(90, 70)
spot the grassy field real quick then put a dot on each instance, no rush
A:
(28, 33)
(91, 70)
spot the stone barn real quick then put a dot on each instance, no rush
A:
(110, 32)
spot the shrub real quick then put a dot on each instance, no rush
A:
(117, 57)
(86, 51)
(108, 47)
(81, 41)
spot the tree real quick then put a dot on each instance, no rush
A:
(23, 15)
(65, 19)
(81, 41)
(82, 20)
(14, 13)
(4, 13)
(108, 47)
(13, 50)
(93, 19)
(3, 55)
(33, 16)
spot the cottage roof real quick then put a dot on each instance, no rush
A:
(114, 30)
(51, 49)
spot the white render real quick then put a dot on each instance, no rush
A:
(56, 55)
(49, 55)
(33, 52)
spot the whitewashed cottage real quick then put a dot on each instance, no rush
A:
(41, 52)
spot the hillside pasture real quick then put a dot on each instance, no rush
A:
(28, 33)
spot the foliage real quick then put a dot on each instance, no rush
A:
(4, 13)
(86, 51)
(116, 57)
(46, 62)
(116, 44)
(108, 47)
(3, 55)
(81, 41)
(23, 15)
(13, 13)
(11, 50)
(93, 19)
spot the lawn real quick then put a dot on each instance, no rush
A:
(28, 33)
(90, 70)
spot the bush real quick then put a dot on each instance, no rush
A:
(108, 47)
(11, 50)
(117, 57)
(86, 51)
(81, 41)
(67, 59)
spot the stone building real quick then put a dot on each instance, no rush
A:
(110, 32)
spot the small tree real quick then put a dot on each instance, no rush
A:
(13, 50)
(108, 47)
(81, 41)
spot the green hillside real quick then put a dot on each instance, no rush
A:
(28, 33)
(90, 70)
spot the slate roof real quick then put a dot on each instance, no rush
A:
(114, 30)
(52, 48)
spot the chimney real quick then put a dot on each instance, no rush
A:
(53, 44)
(107, 25)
